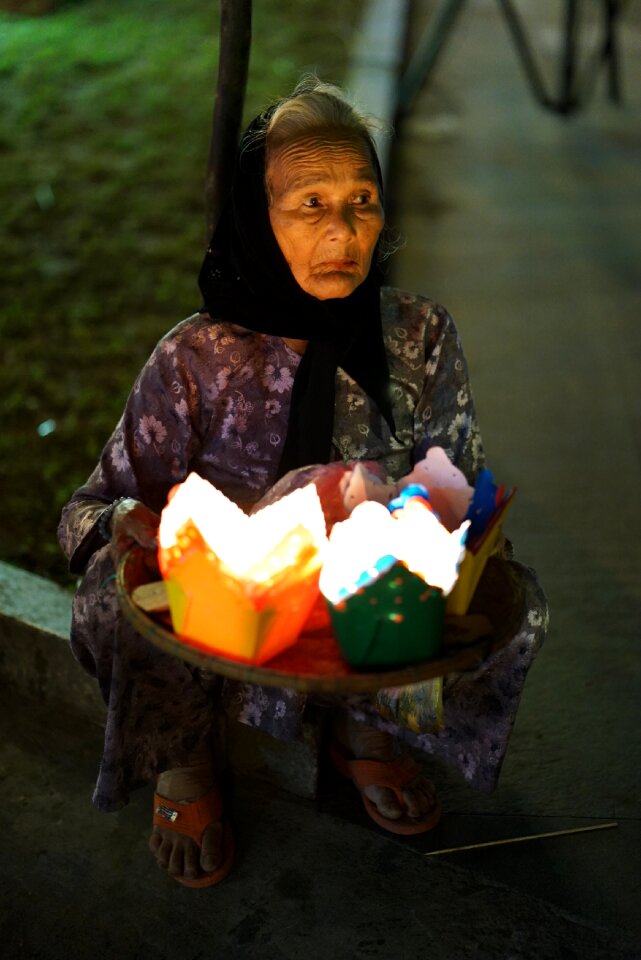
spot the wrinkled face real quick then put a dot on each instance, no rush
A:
(325, 211)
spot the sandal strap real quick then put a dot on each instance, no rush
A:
(394, 774)
(189, 819)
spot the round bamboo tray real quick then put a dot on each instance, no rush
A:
(315, 664)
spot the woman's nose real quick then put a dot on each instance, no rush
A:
(341, 223)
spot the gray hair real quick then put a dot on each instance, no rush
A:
(314, 106)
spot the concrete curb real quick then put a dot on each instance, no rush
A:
(35, 658)
(36, 661)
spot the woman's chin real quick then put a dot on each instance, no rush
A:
(332, 286)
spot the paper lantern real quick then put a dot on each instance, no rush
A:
(396, 619)
(240, 586)
(484, 505)
(386, 577)
(477, 552)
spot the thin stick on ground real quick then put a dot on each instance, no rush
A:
(533, 836)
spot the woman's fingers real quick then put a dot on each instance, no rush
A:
(133, 523)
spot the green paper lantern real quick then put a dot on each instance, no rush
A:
(395, 620)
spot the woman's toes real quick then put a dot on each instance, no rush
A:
(211, 853)
(176, 854)
(190, 855)
(385, 801)
(154, 842)
(413, 802)
(164, 852)
(430, 795)
(181, 857)
(419, 798)
(176, 864)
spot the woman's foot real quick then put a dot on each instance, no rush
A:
(368, 743)
(179, 855)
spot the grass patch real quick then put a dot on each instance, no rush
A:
(103, 142)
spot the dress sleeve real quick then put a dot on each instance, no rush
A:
(445, 414)
(148, 452)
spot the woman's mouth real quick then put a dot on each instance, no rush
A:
(337, 266)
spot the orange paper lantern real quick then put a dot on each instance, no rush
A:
(240, 586)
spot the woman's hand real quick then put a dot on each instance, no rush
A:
(133, 523)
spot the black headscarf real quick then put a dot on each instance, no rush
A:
(246, 280)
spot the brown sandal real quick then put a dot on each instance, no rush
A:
(191, 820)
(394, 774)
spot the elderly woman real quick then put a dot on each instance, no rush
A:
(299, 357)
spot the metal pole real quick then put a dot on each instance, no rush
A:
(427, 53)
(568, 96)
(611, 49)
(233, 66)
(527, 57)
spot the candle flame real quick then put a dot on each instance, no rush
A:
(371, 540)
(256, 549)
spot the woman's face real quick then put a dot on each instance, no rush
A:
(325, 211)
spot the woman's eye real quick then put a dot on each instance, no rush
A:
(361, 199)
(311, 203)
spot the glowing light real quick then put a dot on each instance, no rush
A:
(255, 548)
(372, 540)
(240, 585)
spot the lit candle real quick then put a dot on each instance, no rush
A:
(367, 544)
(240, 585)
(385, 577)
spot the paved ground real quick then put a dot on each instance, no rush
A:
(311, 879)
(526, 227)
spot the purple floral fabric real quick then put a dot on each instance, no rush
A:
(214, 398)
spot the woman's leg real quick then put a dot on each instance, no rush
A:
(479, 707)
(160, 715)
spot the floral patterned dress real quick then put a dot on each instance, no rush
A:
(214, 398)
